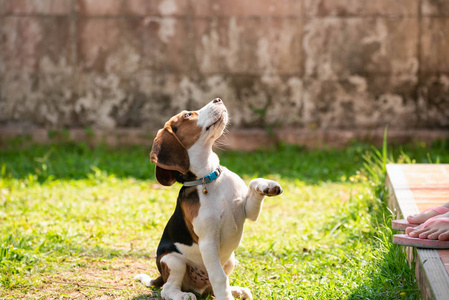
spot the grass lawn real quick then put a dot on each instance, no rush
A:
(77, 222)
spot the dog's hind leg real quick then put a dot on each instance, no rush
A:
(173, 270)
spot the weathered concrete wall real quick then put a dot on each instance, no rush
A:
(348, 64)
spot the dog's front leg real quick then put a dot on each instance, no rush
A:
(257, 190)
(217, 277)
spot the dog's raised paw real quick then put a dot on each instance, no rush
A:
(266, 187)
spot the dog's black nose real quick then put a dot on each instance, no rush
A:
(217, 100)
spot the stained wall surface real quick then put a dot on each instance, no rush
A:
(348, 64)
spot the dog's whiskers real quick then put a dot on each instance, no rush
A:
(223, 142)
(220, 146)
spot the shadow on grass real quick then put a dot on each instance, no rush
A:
(153, 296)
(77, 161)
(156, 294)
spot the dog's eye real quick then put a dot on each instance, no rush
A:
(187, 115)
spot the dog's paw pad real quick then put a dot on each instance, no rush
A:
(272, 188)
(273, 191)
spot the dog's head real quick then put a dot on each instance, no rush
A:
(180, 133)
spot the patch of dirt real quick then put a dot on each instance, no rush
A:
(99, 279)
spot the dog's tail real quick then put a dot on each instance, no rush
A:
(147, 281)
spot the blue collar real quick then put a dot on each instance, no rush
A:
(206, 179)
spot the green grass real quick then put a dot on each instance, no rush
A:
(80, 222)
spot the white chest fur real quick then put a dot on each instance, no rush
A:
(220, 218)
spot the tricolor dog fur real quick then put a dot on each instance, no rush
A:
(196, 251)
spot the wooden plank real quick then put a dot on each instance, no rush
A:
(431, 273)
(401, 190)
(436, 283)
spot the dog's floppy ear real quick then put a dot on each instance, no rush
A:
(169, 155)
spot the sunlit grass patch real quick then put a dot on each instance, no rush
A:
(81, 222)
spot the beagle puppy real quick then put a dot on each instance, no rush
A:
(196, 251)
